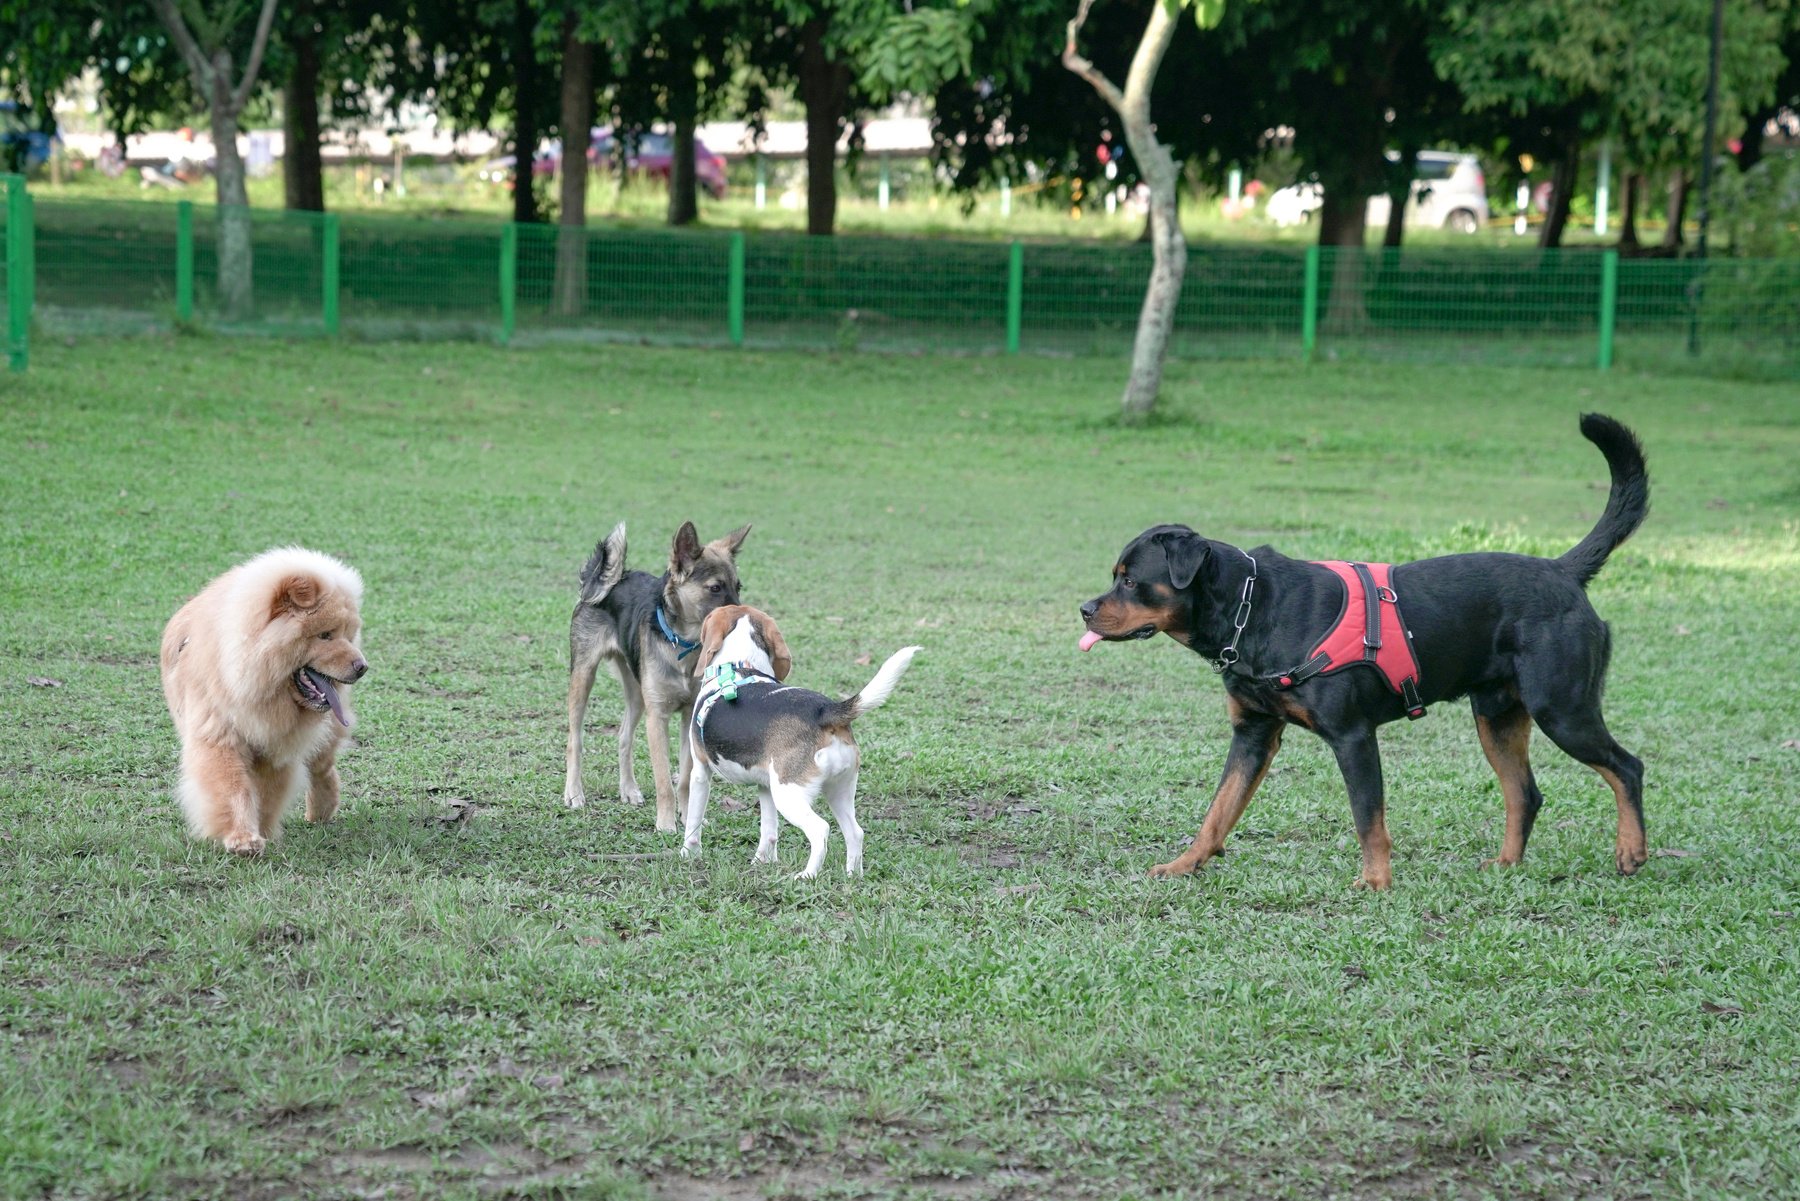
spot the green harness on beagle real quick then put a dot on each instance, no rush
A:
(720, 682)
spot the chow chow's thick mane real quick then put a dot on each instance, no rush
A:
(251, 617)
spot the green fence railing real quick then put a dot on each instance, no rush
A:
(125, 266)
(17, 269)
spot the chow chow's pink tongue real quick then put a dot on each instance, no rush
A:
(331, 697)
(1088, 639)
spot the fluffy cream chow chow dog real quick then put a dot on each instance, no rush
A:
(257, 671)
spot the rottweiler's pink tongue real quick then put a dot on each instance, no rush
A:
(1088, 639)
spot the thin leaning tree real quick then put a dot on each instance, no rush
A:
(204, 40)
(1157, 168)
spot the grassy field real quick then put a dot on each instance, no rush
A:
(463, 990)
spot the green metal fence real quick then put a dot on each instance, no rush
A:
(132, 266)
(17, 268)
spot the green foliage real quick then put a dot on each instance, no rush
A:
(1634, 70)
(1759, 210)
(917, 52)
(1208, 13)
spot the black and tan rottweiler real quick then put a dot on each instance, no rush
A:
(1324, 646)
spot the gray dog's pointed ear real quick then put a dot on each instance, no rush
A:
(686, 551)
(1186, 552)
(730, 542)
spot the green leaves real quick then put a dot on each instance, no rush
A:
(1208, 13)
(917, 52)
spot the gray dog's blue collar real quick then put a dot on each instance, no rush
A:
(675, 640)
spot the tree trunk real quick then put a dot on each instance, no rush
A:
(1750, 145)
(1562, 193)
(1156, 167)
(1343, 226)
(577, 125)
(684, 106)
(236, 268)
(1396, 222)
(525, 110)
(1678, 197)
(825, 91)
(1156, 320)
(1628, 235)
(302, 171)
(211, 74)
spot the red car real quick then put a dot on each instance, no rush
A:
(654, 152)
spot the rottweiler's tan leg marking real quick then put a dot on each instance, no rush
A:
(1506, 740)
(1631, 851)
(1255, 737)
(1377, 851)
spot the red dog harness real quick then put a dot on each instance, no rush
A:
(1368, 630)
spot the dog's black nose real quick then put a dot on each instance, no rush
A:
(1088, 610)
(358, 670)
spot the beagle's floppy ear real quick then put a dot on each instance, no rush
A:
(295, 594)
(713, 630)
(781, 660)
(1186, 552)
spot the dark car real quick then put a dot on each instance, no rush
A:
(22, 147)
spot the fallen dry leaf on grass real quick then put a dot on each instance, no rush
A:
(456, 809)
(440, 1100)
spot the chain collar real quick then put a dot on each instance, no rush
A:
(1229, 654)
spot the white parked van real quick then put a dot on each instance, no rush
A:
(1449, 191)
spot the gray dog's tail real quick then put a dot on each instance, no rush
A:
(1625, 507)
(605, 567)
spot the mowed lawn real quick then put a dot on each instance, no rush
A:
(462, 989)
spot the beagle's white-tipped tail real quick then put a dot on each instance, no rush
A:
(877, 690)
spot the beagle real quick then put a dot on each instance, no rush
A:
(792, 743)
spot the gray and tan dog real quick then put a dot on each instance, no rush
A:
(647, 630)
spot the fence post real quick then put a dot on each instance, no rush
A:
(20, 289)
(1609, 306)
(1015, 297)
(330, 250)
(1309, 315)
(509, 279)
(184, 260)
(734, 290)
